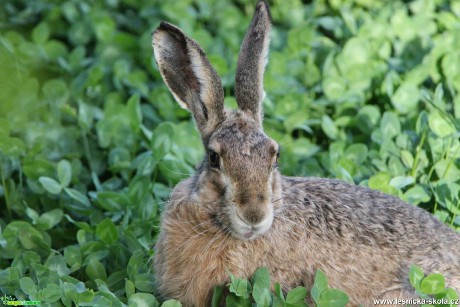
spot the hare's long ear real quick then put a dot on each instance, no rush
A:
(253, 58)
(189, 76)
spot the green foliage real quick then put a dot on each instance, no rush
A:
(91, 141)
(431, 286)
(325, 296)
(245, 293)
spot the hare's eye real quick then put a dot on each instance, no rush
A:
(276, 160)
(213, 159)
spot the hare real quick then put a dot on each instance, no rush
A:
(238, 213)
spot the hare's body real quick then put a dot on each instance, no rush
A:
(237, 213)
(364, 240)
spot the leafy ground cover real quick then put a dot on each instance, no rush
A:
(91, 141)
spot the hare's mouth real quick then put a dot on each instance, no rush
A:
(243, 230)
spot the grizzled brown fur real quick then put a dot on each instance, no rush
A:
(237, 213)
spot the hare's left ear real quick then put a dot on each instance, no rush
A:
(189, 76)
(253, 57)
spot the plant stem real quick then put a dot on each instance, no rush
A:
(96, 182)
(5, 191)
(417, 153)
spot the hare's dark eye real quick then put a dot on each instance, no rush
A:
(213, 158)
(276, 160)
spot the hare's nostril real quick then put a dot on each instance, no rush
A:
(244, 197)
(253, 216)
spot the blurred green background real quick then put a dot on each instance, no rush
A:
(91, 141)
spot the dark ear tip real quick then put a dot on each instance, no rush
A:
(263, 4)
(168, 27)
(171, 29)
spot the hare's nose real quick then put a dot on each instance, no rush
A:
(253, 215)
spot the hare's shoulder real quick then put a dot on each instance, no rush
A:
(180, 196)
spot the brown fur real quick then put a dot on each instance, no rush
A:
(241, 214)
(362, 239)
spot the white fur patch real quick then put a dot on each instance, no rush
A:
(201, 73)
(160, 40)
(263, 61)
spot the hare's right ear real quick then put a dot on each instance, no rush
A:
(189, 76)
(249, 79)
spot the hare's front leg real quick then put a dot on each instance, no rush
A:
(188, 265)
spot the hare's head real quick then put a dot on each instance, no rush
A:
(239, 175)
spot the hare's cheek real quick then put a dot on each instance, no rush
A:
(277, 199)
(210, 187)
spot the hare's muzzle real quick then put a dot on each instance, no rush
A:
(250, 221)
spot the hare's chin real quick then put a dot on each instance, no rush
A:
(243, 231)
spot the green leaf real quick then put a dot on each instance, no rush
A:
(334, 87)
(261, 287)
(296, 295)
(50, 294)
(135, 263)
(41, 33)
(333, 298)
(415, 276)
(162, 140)
(130, 289)
(400, 182)
(50, 185)
(407, 158)
(30, 238)
(433, 284)
(217, 296)
(171, 303)
(56, 92)
(451, 294)
(57, 263)
(279, 292)
(73, 257)
(262, 297)
(107, 232)
(406, 98)
(104, 26)
(11, 146)
(28, 286)
(381, 182)
(112, 201)
(390, 125)
(440, 125)
(144, 282)
(78, 196)
(329, 127)
(134, 112)
(320, 285)
(367, 118)
(356, 153)
(64, 170)
(241, 287)
(145, 299)
(262, 278)
(95, 270)
(30, 257)
(33, 215)
(50, 219)
(233, 300)
(416, 195)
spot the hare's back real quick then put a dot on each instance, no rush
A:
(366, 236)
(367, 216)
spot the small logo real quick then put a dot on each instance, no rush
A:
(9, 300)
